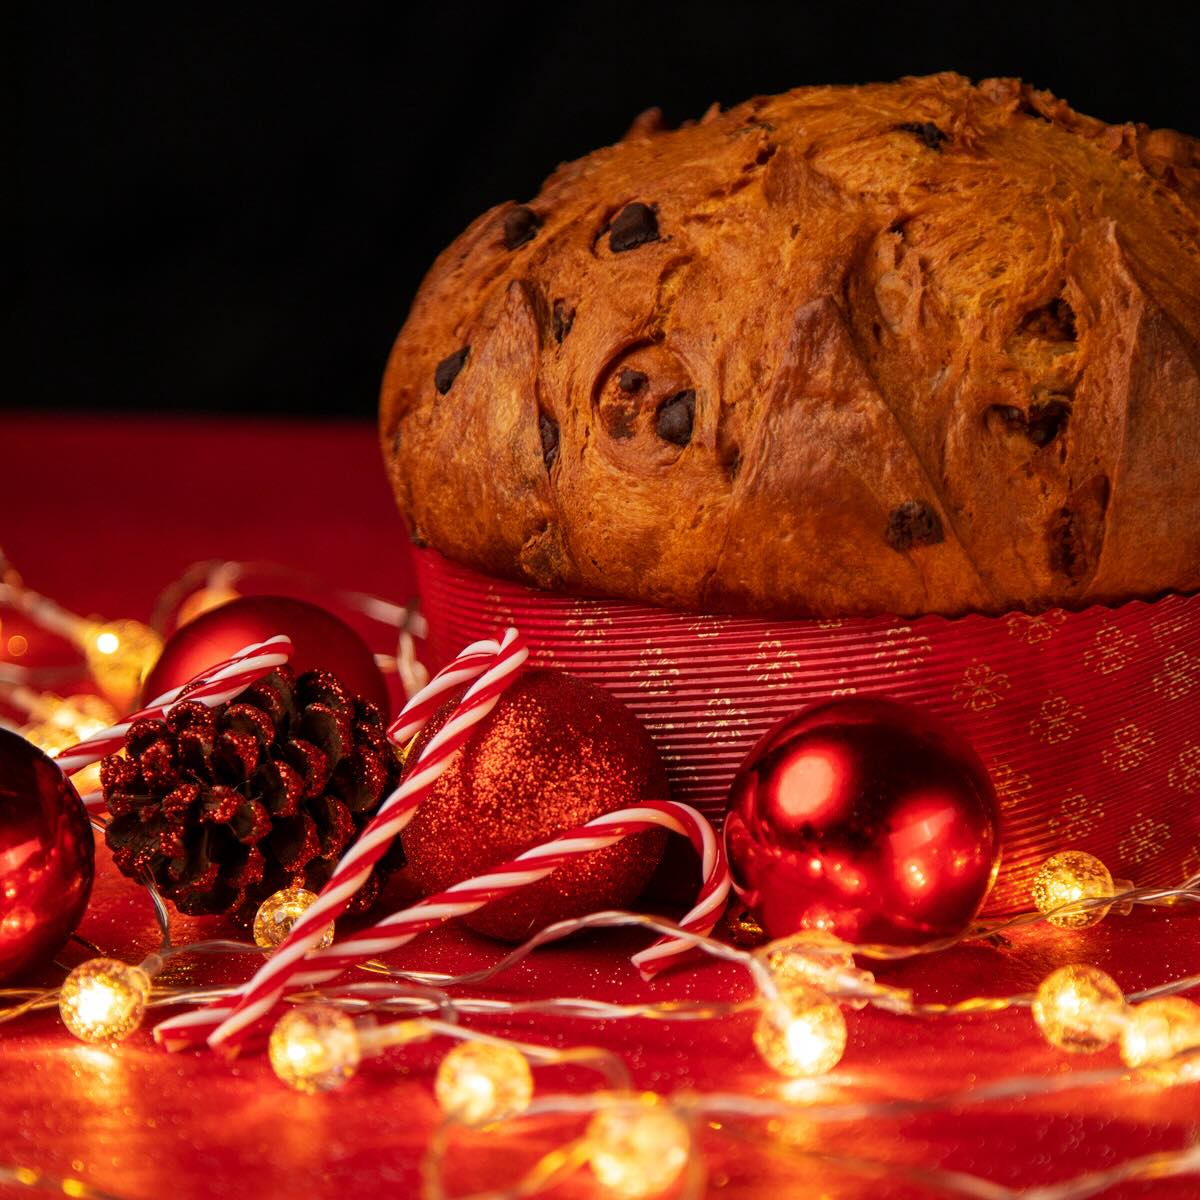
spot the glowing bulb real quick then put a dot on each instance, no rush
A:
(1158, 1030)
(808, 959)
(103, 1000)
(279, 912)
(479, 1082)
(62, 723)
(1070, 876)
(801, 1033)
(637, 1148)
(1079, 1008)
(119, 656)
(314, 1048)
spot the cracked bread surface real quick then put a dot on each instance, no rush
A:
(920, 347)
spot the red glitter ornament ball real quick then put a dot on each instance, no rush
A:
(865, 818)
(554, 752)
(321, 641)
(47, 857)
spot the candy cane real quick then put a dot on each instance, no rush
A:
(211, 687)
(230, 1028)
(493, 666)
(469, 665)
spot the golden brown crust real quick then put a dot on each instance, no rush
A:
(914, 347)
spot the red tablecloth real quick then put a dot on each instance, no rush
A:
(138, 501)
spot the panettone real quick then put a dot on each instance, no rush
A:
(922, 347)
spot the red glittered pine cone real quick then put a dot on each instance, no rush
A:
(222, 807)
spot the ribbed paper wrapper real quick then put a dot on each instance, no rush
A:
(1089, 722)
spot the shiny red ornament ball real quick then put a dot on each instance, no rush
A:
(554, 752)
(867, 819)
(321, 641)
(47, 857)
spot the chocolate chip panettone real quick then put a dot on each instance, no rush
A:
(923, 347)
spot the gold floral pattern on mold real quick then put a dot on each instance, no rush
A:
(1078, 818)
(1035, 630)
(1146, 837)
(981, 688)
(1184, 775)
(1179, 676)
(770, 665)
(1131, 747)
(1057, 721)
(1012, 786)
(1112, 650)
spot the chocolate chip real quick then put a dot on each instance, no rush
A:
(673, 423)
(929, 134)
(633, 226)
(1041, 425)
(520, 226)
(1011, 417)
(631, 381)
(448, 369)
(561, 319)
(548, 427)
(1046, 421)
(914, 523)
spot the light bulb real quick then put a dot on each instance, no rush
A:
(103, 1000)
(637, 1148)
(1158, 1030)
(279, 912)
(63, 723)
(802, 1032)
(808, 959)
(314, 1048)
(1069, 876)
(1080, 1009)
(478, 1082)
(119, 656)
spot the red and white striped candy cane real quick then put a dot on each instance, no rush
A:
(230, 1029)
(493, 666)
(219, 683)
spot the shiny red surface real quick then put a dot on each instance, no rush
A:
(319, 640)
(46, 858)
(864, 818)
(144, 1125)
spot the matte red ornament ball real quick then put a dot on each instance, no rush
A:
(321, 641)
(865, 818)
(47, 857)
(555, 752)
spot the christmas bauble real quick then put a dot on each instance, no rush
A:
(554, 752)
(321, 641)
(865, 818)
(46, 857)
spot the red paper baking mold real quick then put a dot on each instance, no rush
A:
(1089, 722)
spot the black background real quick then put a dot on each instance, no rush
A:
(230, 208)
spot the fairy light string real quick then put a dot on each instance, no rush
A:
(387, 996)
